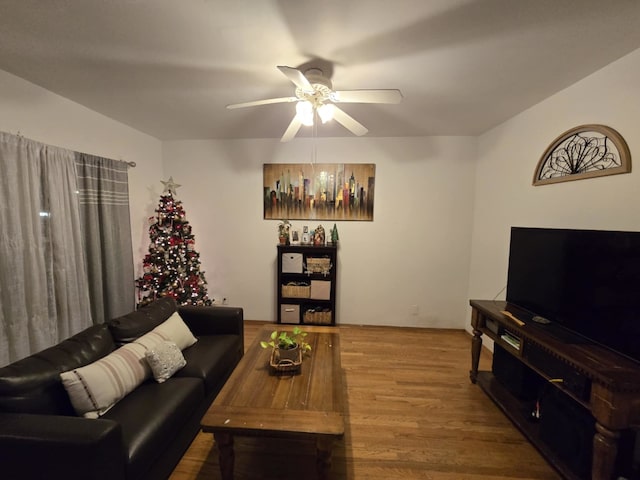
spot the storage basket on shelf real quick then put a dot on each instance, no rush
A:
(318, 265)
(320, 290)
(296, 290)
(317, 316)
(291, 262)
(289, 313)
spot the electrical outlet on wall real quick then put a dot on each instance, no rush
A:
(414, 309)
(220, 299)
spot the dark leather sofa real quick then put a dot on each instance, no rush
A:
(146, 433)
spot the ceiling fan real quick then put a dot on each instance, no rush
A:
(315, 98)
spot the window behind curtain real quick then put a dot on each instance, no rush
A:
(48, 252)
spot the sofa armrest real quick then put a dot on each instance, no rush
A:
(213, 320)
(57, 446)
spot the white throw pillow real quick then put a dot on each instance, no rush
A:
(165, 359)
(95, 388)
(174, 330)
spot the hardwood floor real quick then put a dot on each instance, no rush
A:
(412, 413)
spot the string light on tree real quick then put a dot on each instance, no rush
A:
(172, 266)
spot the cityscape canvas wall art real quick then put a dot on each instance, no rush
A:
(311, 191)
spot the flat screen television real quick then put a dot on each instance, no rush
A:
(585, 281)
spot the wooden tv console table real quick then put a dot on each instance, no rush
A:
(608, 384)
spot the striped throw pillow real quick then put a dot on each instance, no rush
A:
(95, 388)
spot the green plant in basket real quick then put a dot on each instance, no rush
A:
(287, 340)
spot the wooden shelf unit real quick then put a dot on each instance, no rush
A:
(608, 386)
(292, 309)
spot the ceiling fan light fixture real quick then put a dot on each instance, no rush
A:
(314, 93)
(304, 112)
(325, 112)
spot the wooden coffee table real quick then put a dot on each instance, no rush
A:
(255, 401)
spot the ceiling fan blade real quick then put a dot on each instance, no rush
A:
(298, 79)
(268, 101)
(292, 129)
(367, 96)
(348, 122)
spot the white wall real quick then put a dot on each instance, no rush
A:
(45, 117)
(415, 252)
(508, 155)
(442, 203)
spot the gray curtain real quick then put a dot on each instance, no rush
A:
(104, 208)
(43, 294)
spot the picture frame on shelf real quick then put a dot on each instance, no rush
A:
(295, 236)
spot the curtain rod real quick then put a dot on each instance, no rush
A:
(130, 164)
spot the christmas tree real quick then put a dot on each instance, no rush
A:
(172, 266)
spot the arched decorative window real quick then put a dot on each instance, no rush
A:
(586, 151)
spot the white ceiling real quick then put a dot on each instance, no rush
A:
(169, 67)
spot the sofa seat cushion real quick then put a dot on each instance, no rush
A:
(32, 385)
(152, 416)
(212, 359)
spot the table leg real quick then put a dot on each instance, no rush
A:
(324, 446)
(605, 452)
(226, 455)
(476, 347)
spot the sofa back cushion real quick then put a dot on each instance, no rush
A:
(127, 328)
(95, 388)
(32, 385)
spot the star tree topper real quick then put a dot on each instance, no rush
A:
(170, 185)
